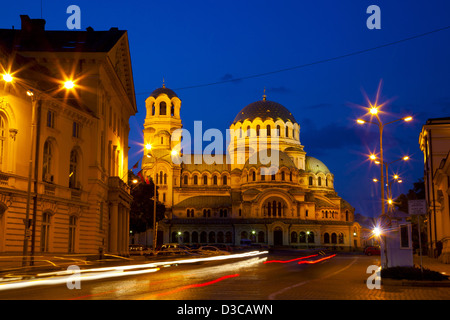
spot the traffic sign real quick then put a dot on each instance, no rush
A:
(417, 207)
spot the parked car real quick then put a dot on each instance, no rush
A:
(138, 250)
(375, 250)
(173, 249)
(223, 247)
(211, 250)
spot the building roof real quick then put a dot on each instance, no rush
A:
(205, 202)
(264, 109)
(262, 159)
(163, 90)
(33, 37)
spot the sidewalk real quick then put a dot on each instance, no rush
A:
(432, 264)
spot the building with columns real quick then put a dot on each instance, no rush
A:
(64, 151)
(265, 189)
(434, 141)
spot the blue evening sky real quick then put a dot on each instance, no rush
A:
(191, 43)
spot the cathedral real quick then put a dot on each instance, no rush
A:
(289, 200)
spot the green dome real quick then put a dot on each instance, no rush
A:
(315, 165)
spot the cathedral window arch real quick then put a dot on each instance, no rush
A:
(283, 175)
(205, 179)
(248, 131)
(319, 181)
(195, 179)
(185, 179)
(253, 176)
(334, 238)
(302, 237)
(225, 180)
(165, 178)
(287, 132)
(326, 238)
(258, 127)
(215, 180)
(294, 238)
(172, 110)
(268, 130)
(162, 108)
(310, 180)
(278, 130)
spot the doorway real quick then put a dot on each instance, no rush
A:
(277, 236)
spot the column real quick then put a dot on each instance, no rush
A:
(113, 228)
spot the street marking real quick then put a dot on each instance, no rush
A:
(273, 295)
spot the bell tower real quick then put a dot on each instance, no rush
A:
(162, 119)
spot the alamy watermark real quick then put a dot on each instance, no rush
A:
(374, 280)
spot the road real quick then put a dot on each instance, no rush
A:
(274, 276)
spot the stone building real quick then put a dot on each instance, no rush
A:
(76, 156)
(265, 189)
(434, 141)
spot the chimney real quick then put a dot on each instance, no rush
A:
(32, 25)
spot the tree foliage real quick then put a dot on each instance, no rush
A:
(141, 211)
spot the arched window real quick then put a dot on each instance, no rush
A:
(311, 237)
(333, 238)
(326, 182)
(203, 237)
(160, 177)
(278, 130)
(185, 179)
(45, 232)
(165, 178)
(268, 130)
(47, 162)
(254, 176)
(172, 111)
(212, 237)
(215, 180)
(186, 237)
(310, 181)
(3, 129)
(290, 176)
(302, 237)
(294, 237)
(257, 130)
(162, 108)
(73, 170)
(319, 181)
(287, 132)
(194, 237)
(341, 238)
(205, 179)
(248, 131)
(195, 180)
(224, 180)
(326, 238)
(72, 232)
(261, 238)
(283, 175)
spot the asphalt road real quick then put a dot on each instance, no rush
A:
(275, 276)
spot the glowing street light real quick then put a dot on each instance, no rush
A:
(376, 231)
(7, 77)
(69, 84)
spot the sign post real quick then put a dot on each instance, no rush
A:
(418, 208)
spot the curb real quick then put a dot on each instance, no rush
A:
(415, 283)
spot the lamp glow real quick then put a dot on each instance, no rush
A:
(148, 146)
(408, 118)
(373, 110)
(360, 121)
(69, 84)
(7, 77)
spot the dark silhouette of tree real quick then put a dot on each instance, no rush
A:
(141, 211)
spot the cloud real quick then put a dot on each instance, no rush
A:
(229, 77)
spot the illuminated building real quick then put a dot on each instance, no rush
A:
(79, 198)
(234, 199)
(434, 141)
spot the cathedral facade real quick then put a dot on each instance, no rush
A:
(265, 189)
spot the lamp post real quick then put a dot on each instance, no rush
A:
(148, 147)
(373, 110)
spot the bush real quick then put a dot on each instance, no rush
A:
(412, 273)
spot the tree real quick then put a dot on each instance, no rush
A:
(141, 211)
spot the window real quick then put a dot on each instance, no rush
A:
(294, 237)
(310, 181)
(165, 178)
(278, 130)
(45, 232)
(50, 119)
(404, 236)
(319, 181)
(185, 179)
(326, 238)
(283, 175)
(72, 230)
(73, 170)
(205, 180)
(195, 180)
(268, 130)
(248, 131)
(341, 238)
(287, 132)
(162, 108)
(3, 130)
(257, 130)
(75, 129)
(254, 176)
(224, 180)
(47, 162)
(215, 180)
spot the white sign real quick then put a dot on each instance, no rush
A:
(417, 207)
